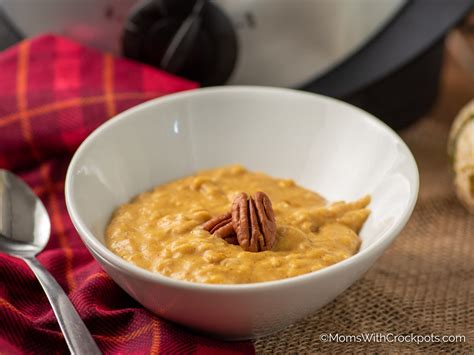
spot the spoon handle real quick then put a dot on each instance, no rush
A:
(78, 338)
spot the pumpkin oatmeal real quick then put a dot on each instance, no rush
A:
(162, 230)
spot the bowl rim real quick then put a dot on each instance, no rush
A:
(96, 247)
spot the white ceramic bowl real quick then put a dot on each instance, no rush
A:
(325, 145)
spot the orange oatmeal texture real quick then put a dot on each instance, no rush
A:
(161, 230)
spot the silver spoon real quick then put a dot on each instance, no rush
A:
(24, 232)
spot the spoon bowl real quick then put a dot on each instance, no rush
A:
(20, 236)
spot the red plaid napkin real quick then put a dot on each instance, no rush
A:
(53, 93)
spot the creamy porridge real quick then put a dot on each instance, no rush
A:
(162, 230)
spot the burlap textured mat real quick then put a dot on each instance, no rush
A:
(423, 284)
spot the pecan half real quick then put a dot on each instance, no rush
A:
(254, 222)
(221, 226)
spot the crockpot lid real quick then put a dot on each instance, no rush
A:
(417, 27)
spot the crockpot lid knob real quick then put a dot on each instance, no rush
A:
(193, 39)
(181, 44)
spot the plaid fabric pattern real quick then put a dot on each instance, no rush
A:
(53, 93)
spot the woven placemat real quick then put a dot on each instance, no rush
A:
(423, 284)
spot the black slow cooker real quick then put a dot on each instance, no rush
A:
(383, 56)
